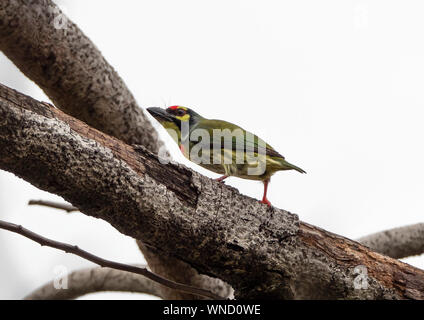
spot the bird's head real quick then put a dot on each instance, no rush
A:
(173, 119)
(174, 116)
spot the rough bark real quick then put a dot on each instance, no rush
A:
(181, 272)
(168, 267)
(397, 243)
(82, 282)
(76, 77)
(261, 252)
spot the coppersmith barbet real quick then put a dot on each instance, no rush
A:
(221, 146)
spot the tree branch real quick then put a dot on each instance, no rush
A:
(173, 268)
(51, 204)
(177, 212)
(71, 70)
(91, 280)
(168, 267)
(103, 262)
(397, 243)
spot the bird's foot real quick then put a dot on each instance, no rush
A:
(266, 201)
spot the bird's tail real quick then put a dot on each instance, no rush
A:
(288, 166)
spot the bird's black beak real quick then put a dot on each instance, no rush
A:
(160, 114)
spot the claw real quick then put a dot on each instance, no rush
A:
(266, 201)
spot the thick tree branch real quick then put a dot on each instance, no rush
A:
(103, 262)
(177, 212)
(85, 281)
(71, 70)
(397, 243)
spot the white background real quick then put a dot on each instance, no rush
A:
(335, 86)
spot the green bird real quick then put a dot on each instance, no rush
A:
(221, 146)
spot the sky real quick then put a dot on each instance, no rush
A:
(334, 86)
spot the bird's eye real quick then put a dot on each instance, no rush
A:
(180, 112)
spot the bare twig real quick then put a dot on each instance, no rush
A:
(103, 262)
(52, 204)
(397, 243)
(90, 280)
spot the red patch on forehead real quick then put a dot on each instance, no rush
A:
(173, 107)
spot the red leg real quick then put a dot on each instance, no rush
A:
(221, 178)
(264, 199)
(182, 148)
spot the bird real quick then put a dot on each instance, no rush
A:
(221, 146)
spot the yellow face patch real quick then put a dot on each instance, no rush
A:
(184, 118)
(179, 112)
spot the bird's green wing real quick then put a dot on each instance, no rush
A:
(241, 139)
